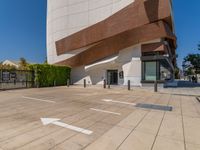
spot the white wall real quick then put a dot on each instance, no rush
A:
(128, 61)
(94, 76)
(65, 17)
(132, 64)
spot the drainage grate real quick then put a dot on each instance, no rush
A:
(156, 107)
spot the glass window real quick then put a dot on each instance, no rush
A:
(150, 71)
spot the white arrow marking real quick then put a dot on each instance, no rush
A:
(36, 99)
(104, 111)
(56, 121)
(110, 100)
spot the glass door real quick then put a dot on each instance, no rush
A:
(112, 77)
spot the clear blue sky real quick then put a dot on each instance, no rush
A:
(23, 29)
(187, 24)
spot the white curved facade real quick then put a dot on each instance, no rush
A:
(65, 17)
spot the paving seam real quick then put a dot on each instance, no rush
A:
(53, 113)
(120, 107)
(109, 129)
(49, 134)
(21, 108)
(33, 122)
(116, 124)
(183, 126)
(41, 127)
(46, 108)
(133, 129)
(58, 129)
(188, 95)
(137, 124)
(78, 133)
(94, 124)
(160, 125)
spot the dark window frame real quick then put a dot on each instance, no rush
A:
(157, 70)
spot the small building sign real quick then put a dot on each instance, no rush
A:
(121, 75)
(13, 75)
(5, 76)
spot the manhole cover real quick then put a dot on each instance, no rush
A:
(156, 107)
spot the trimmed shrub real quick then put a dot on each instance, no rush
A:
(49, 75)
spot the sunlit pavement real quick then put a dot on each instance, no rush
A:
(94, 118)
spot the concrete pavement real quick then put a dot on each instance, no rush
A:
(135, 128)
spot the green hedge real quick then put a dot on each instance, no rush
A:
(50, 75)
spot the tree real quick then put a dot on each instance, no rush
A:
(191, 64)
(7, 67)
(1, 66)
(177, 72)
(176, 69)
(23, 63)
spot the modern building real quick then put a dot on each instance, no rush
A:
(112, 40)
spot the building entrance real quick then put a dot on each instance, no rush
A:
(112, 77)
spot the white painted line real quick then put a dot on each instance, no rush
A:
(110, 100)
(36, 99)
(57, 122)
(104, 111)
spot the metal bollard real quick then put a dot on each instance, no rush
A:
(67, 82)
(84, 83)
(129, 85)
(109, 85)
(155, 86)
(109, 77)
(104, 84)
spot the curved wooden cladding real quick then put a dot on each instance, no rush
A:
(113, 45)
(154, 47)
(134, 15)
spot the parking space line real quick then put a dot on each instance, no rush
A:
(47, 121)
(104, 111)
(113, 101)
(36, 99)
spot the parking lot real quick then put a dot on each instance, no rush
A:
(78, 118)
